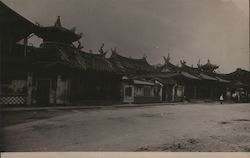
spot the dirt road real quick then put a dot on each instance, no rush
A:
(186, 127)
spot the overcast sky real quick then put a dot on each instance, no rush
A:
(187, 29)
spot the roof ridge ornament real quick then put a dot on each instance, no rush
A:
(166, 60)
(113, 50)
(101, 51)
(183, 63)
(58, 22)
(80, 46)
(208, 61)
(199, 63)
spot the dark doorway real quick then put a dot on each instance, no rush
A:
(128, 92)
(43, 91)
(169, 93)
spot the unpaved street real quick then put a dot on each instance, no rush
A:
(184, 127)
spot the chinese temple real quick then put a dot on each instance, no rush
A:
(60, 72)
(64, 73)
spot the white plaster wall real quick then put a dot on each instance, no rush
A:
(179, 91)
(18, 85)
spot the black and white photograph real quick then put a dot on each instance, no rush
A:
(124, 76)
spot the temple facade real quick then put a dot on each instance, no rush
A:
(64, 74)
(60, 72)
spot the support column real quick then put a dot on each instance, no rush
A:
(69, 91)
(59, 98)
(160, 92)
(173, 92)
(183, 91)
(62, 90)
(29, 88)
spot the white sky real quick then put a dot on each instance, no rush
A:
(242, 4)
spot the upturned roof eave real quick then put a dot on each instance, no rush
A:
(49, 31)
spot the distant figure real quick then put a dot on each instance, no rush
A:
(221, 99)
(234, 95)
(238, 97)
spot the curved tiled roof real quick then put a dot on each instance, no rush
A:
(190, 69)
(57, 33)
(129, 65)
(207, 77)
(13, 24)
(72, 58)
(209, 67)
(240, 75)
(189, 76)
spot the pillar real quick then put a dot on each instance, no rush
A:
(68, 91)
(183, 91)
(59, 90)
(161, 87)
(29, 89)
(62, 90)
(173, 92)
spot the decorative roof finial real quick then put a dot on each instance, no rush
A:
(208, 61)
(58, 22)
(79, 45)
(167, 59)
(113, 50)
(199, 63)
(183, 62)
(101, 51)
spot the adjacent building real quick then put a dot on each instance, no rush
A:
(14, 56)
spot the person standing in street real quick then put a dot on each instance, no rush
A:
(221, 99)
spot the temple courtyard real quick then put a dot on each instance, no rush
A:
(166, 127)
